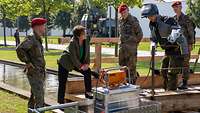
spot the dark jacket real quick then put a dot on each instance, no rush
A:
(70, 58)
(31, 51)
(159, 33)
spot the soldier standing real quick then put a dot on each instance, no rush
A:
(30, 51)
(166, 32)
(16, 35)
(188, 31)
(130, 36)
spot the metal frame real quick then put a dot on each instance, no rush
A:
(59, 106)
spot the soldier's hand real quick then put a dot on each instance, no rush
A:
(29, 66)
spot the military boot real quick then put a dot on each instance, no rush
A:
(183, 85)
(172, 82)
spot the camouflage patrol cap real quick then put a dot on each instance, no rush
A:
(122, 7)
(175, 3)
(38, 21)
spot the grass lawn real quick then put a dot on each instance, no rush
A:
(11, 103)
(52, 55)
(142, 46)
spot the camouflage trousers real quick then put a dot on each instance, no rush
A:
(128, 57)
(36, 80)
(170, 68)
(186, 64)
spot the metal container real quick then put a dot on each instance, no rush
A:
(122, 98)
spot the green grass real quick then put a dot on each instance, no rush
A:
(11, 103)
(142, 46)
(52, 56)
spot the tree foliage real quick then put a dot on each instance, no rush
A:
(194, 10)
(23, 23)
(63, 20)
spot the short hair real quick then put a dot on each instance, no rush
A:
(77, 30)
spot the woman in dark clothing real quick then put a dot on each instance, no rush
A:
(75, 57)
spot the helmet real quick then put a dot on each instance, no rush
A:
(149, 10)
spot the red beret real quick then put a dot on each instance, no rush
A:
(38, 21)
(175, 3)
(122, 8)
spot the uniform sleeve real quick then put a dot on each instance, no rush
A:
(138, 30)
(152, 35)
(22, 50)
(190, 29)
(73, 56)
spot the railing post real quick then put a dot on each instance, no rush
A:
(97, 56)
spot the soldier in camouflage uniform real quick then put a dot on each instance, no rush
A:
(175, 46)
(188, 31)
(30, 51)
(130, 36)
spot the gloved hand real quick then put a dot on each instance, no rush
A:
(152, 44)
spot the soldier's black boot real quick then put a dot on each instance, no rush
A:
(183, 85)
(88, 95)
(165, 83)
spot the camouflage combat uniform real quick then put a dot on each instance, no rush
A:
(187, 27)
(130, 36)
(31, 51)
(173, 55)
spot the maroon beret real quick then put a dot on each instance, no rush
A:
(175, 3)
(122, 7)
(38, 21)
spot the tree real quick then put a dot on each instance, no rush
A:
(23, 23)
(6, 14)
(116, 3)
(48, 9)
(63, 20)
(194, 11)
(103, 4)
(9, 24)
(11, 9)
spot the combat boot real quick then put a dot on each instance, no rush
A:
(172, 82)
(183, 85)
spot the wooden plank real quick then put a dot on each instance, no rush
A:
(105, 39)
(102, 39)
(145, 58)
(97, 61)
(76, 85)
(179, 100)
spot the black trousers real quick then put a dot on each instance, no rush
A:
(62, 79)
